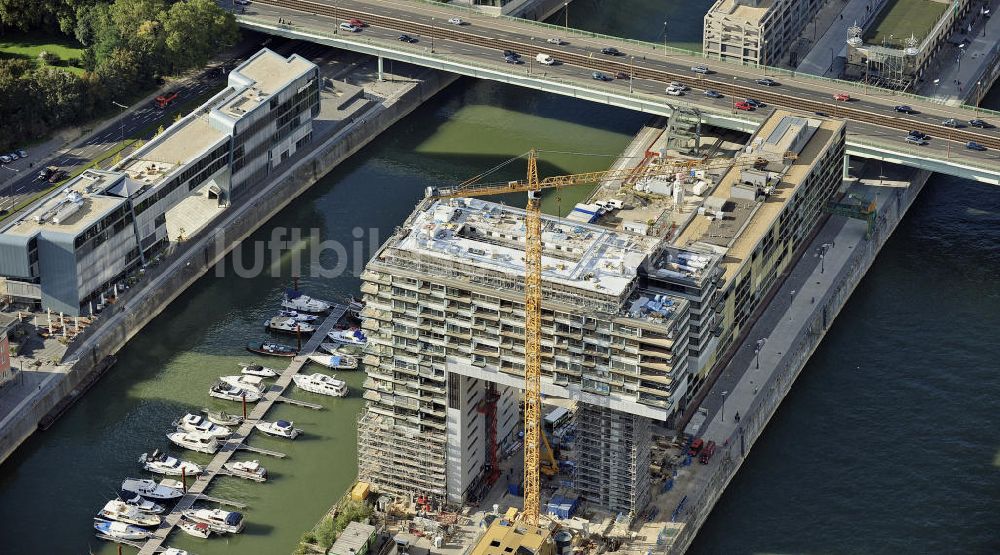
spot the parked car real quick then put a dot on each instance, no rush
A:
(22, 153)
(973, 145)
(555, 40)
(918, 134)
(904, 109)
(4, 159)
(713, 94)
(348, 27)
(701, 69)
(707, 452)
(673, 91)
(979, 123)
(456, 21)
(755, 103)
(952, 123)
(915, 140)
(841, 97)
(745, 106)
(598, 76)
(696, 446)
(57, 175)
(242, 2)
(46, 172)
(767, 82)
(407, 38)
(611, 51)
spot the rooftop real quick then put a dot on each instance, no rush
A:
(491, 236)
(353, 539)
(74, 207)
(746, 218)
(264, 74)
(509, 537)
(745, 10)
(184, 141)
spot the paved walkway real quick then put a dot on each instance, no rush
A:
(833, 42)
(952, 76)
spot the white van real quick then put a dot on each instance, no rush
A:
(545, 59)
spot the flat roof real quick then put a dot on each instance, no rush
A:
(747, 221)
(742, 9)
(506, 537)
(261, 76)
(74, 207)
(352, 539)
(184, 141)
(492, 236)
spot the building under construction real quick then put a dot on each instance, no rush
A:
(632, 318)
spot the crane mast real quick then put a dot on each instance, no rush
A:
(532, 345)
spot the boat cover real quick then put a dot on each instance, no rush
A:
(234, 518)
(283, 424)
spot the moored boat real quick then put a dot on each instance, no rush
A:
(298, 316)
(144, 505)
(151, 490)
(339, 348)
(355, 306)
(161, 463)
(321, 384)
(230, 392)
(174, 551)
(218, 520)
(278, 428)
(120, 511)
(197, 423)
(283, 324)
(270, 348)
(257, 370)
(250, 383)
(353, 336)
(295, 300)
(250, 470)
(196, 529)
(118, 531)
(222, 417)
(337, 362)
(195, 441)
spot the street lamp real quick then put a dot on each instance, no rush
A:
(723, 414)
(631, 74)
(664, 37)
(791, 299)
(121, 120)
(566, 9)
(760, 347)
(433, 30)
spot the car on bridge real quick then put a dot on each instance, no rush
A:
(713, 94)
(357, 22)
(953, 123)
(842, 97)
(767, 82)
(621, 75)
(511, 53)
(904, 109)
(973, 145)
(345, 26)
(914, 140)
(701, 69)
(555, 40)
(745, 106)
(674, 91)
(407, 38)
(755, 103)
(456, 21)
(918, 134)
(612, 51)
(678, 85)
(512, 60)
(979, 123)
(598, 76)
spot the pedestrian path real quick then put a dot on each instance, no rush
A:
(956, 72)
(820, 59)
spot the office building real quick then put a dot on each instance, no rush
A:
(755, 32)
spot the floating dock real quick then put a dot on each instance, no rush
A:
(196, 491)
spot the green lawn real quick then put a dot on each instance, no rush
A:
(28, 46)
(904, 18)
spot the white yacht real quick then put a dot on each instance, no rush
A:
(222, 418)
(218, 520)
(161, 463)
(349, 337)
(195, 441)
(249, 383)
(230, 392)
(339, 349)
(298, 316)
(295, 300)
(118, 510)
(257, 370)
(322, 384)
(251, 470)
(119, 530)
(196, 529)
(337, 362)
(279, 428)
(144, 505)
(284, 324)
(174, 551)
(198, 423)
(149, 489)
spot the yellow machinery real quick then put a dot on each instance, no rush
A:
(533, 288)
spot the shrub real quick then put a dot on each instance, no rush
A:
(48, 58)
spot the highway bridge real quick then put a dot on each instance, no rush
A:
(475, 48)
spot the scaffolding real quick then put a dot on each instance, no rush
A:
(613, 458)
(397, 461)
(683, 132)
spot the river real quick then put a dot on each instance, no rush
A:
(886, 444)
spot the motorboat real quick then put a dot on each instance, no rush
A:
(250, 383)
(295, 300)
(195, 441)
(196, 529)
(258, 370)
(282, 324)
(197, 423)
(278, 428)
(355, 306)
(118, 510)
(218, 520)
(144, 505)
(222, 417)
(230, 392)
(166, 489)
(270, 348)
(337, 362)
(339, 349)
(174, 551)
(321, 384)
(298, 316)
(353, 336)
(161, 463)
(250, 470)
(118, 531)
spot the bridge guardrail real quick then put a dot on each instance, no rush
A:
(919, 152)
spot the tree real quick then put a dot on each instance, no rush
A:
(195, 30)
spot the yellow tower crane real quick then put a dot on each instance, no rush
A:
(533, 283)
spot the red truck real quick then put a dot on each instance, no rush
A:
(164, 100)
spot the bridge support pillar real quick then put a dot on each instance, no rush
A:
(847, 166)
(381, 75)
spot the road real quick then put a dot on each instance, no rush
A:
(870, 114)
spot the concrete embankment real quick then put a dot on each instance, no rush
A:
(195, 257)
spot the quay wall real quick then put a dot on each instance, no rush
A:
(773, 391)
(192, 259)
